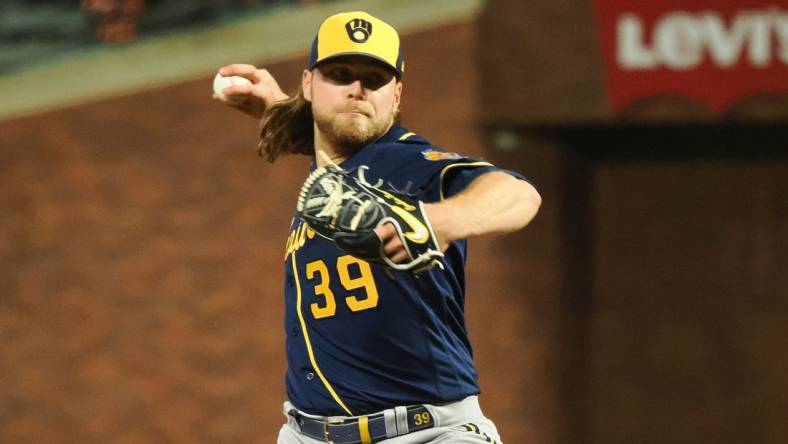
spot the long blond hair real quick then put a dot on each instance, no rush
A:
(287, 128)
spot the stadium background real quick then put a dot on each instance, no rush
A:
(141, 237)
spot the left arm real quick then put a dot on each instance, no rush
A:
(493, 203)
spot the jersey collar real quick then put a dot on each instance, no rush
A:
(392, 135)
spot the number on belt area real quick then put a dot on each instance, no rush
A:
(422, 418)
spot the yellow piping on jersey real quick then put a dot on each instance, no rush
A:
(406, 135)
(308, 343)
(448, 167)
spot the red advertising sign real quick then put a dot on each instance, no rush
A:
(716, 52)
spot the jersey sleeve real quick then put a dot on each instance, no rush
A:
(429, 173)
(456, 177)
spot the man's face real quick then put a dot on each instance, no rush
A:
(354, 101)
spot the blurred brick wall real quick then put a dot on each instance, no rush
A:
(688, 317)
(657, 284)
(141, 247)
(141, 241)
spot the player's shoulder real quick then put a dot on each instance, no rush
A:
(401, 146)
(401, 141)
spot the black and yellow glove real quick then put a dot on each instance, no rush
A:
(347, 209)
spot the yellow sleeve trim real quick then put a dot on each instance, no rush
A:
(308, 343)
(363, 430)
(406, 135)
(454, 165)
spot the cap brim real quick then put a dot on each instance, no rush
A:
(383, 62)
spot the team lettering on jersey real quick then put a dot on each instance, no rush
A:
(298, 238)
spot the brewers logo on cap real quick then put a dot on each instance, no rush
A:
(357, 33)
(358, 30)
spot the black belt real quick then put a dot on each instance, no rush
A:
(366, 429)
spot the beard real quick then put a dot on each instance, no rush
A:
(347, 133)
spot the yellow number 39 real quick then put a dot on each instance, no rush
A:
(422, 418)
(322, 287)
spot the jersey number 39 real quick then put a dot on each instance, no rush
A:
(318, 271)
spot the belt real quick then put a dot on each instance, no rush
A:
(365, 429)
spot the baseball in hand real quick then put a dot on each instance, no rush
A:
(220, 83)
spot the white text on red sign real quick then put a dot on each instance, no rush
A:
(682, 40)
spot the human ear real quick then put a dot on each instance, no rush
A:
(397, 95)
(306, 85)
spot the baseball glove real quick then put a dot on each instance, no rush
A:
(347, 209)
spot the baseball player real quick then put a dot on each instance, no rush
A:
(377, 348)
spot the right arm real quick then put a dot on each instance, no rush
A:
(262, 93)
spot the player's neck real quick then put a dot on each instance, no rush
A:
(329, 151)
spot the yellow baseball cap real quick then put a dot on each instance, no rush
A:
(357, 33)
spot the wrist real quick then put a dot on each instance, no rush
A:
(443, 222)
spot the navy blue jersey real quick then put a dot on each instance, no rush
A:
(361, 338)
